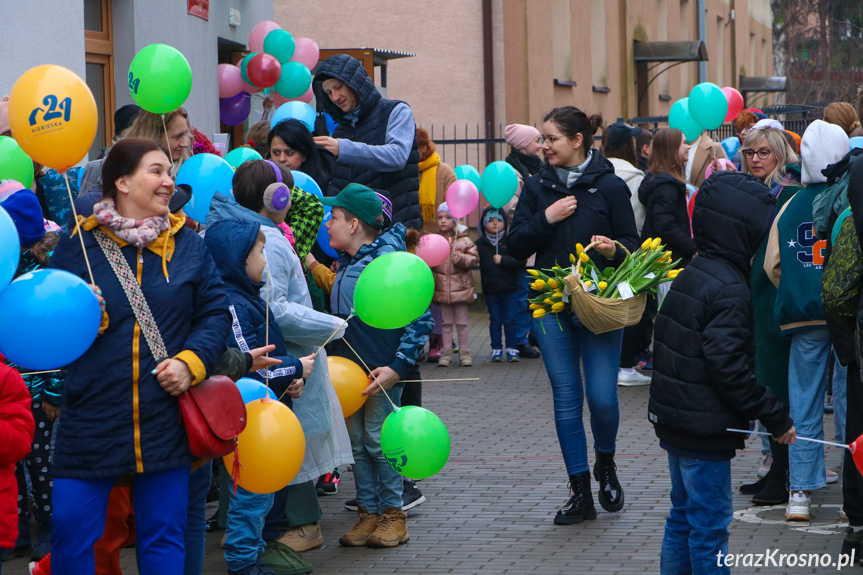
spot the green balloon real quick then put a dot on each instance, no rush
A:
(160, 78)
(15, 164)
(415, 442)
(468, 172)
(499, 183)
(393, 290)
(708, 105)
(294, 81)
(244, 64)
(239, 156)
(680, 118)
(280, 43)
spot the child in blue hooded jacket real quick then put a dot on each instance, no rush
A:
(237, 247)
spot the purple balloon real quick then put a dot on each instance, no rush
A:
(234, 110)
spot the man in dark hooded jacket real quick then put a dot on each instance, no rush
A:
(703, 379)
(375, 139)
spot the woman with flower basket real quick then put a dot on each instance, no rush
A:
(576, 198)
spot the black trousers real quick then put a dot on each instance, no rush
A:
(852, 481)
(636, 338)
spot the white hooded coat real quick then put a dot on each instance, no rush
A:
(822, 144)
(633, 177)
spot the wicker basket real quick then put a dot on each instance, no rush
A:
(599, 314)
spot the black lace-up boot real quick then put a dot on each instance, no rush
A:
(610, 492)
(580, 504)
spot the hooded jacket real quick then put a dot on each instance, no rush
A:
(664, 198)
(117, 419)
(603, 209)
(230, 241)
(632, 177)
(504, 277)
(370, 125)
(398, 349)
(16, 437)
(704, 350)
(453, 279)
(794, 259)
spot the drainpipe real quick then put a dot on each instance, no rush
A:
(702, 37)
(488, 76)
(733, 21)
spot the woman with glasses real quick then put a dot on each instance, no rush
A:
(767, 155)
(576, 198)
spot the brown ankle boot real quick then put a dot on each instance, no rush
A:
(392, 529)
(445, 358)
(358, 535)
(464, 357)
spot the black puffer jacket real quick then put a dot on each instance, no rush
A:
(704, 350)
(665, 215)
(499, 278)
(603, 209)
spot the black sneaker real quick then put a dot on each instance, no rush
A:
(352, 505)
(328, 484)
(411, 496)
(528, 351)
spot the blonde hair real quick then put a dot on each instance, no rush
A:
(843, 115)
(149, 126)
(783, 152)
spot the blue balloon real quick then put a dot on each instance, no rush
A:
(857, 142)
(295, 111)
(252, 389)
(324, 237)
(731, 145)
(10, 248)
(42, 302)
(207, 174)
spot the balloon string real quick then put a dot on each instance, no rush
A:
(444, 379)
(39, 372)
(395, 408)
(78, 226)
(267, 335)
(798, 437)
(167, 139)
(332, 335)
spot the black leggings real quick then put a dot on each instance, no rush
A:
(852, 481)
(38, 466)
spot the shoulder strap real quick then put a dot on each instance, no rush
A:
(134, 294)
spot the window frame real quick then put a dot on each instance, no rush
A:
(99, 49)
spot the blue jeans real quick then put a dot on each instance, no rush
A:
(807, 383)
(522, 314)
(196, 518)
(566, 349)
(378, 485)
(701, 509)
(243, 534)
(80, 505)
(840, 401)
(503, 311)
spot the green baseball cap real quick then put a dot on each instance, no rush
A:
(361, 201)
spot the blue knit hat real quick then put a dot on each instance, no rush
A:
(23, 207)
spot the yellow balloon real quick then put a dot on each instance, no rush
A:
(350, 380)
(270, 449)
(53, 116)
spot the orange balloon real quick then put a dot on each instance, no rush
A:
(350, 380)
(53, 116)
(271, 448)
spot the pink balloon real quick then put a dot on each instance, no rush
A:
(250, 88)
(723, 164)
(306, 52)
(462, 198)
(259, 32)
(735, 103)
(230, 81)
(278, 99)
(433, 249)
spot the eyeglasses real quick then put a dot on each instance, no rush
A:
(763, 153)
(550, 140)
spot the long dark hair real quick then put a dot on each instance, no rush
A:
(573, 121)
(295, 134)
(123, 159)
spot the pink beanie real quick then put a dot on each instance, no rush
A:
(519, 136)
(4, 114)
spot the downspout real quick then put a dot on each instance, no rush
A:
(702, 37)
(488, 77)
(734, 74)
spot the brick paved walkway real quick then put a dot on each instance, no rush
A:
(490, 510)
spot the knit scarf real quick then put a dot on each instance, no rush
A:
(428, 186)
(139, 233)
(570, 175)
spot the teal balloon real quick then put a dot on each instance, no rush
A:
(15, 164)
(10, 248)
(160, 78)
(239, 156)
(244, 64)
(680, 119)
(415, 442)
(393, 290)
(280, 43)
(468, 172)
(294, 81)
(708, 105)
(499, 183)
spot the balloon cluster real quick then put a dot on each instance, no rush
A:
(706, 108)
(278, 65)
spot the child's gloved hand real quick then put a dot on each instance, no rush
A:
(308, 365)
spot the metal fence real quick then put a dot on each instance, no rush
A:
(476, 144)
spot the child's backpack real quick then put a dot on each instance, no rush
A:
(832, 201)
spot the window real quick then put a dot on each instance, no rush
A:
(99, 48)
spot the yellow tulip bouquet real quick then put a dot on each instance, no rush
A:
(640, 273)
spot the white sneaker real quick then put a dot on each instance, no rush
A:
(832, 476)
(765, 465)
(631, 378)
(799, 506)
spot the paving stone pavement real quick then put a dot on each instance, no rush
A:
(490, 509)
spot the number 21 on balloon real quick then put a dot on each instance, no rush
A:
(134, 83)
(51, 113)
